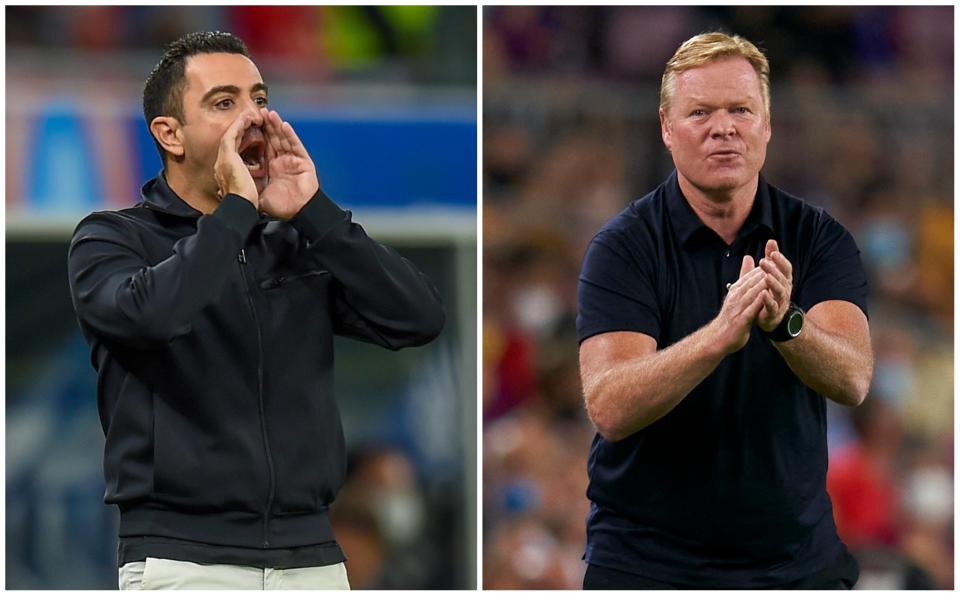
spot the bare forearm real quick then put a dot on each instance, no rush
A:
(633, 394)
(837, 367)
(629, 385)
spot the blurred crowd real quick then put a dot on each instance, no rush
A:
(392, 525)
(314, 43)
(862, 125)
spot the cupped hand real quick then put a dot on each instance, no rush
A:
(229, 171)
(292, 177)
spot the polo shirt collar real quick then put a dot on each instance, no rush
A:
(686, 223)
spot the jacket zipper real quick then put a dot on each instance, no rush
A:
(242, 257)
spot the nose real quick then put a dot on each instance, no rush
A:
(252, 111)
(721, 125)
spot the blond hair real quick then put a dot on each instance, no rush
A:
(703, 48)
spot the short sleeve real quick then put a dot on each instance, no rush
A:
(616, 291)
(835, 271)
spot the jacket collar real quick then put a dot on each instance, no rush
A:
(158, 195)
(686, 223)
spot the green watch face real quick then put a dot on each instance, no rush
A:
(795, 324)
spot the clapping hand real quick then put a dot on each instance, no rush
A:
(744, 300)
(779, 278)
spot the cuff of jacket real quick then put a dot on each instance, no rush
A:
(318, 216)
(238, 214)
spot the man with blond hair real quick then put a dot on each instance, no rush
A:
(716, 314)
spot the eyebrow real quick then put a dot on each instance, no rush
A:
(231, 89)
(702, 103)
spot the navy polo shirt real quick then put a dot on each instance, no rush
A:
(729, 488)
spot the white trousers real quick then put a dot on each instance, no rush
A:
(167, 574)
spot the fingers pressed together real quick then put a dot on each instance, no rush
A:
(281, 138)
(768, 283)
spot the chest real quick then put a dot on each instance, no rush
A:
(692, 280)
(275, 284)
(274, 255)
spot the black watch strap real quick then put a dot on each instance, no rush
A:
(790, 325)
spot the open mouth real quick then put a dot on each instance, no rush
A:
(253, 148)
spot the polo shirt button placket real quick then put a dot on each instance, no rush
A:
(726, 255)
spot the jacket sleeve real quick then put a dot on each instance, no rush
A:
(118, 294)
(380, 297)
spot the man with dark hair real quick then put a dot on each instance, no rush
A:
(715, 316)
(210, 309)
(163, 91)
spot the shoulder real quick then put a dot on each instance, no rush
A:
(639, 224)
(629, 245)
(812, 224)
(115, 224)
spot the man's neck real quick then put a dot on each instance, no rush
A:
(723, 212)
(190, 193)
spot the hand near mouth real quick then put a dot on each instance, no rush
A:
(292, 176)
(231, 174)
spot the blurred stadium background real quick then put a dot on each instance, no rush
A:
(862, 125)
(385, 100)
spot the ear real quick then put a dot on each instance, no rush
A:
(166, 130)
(665, 132)
(767, 130)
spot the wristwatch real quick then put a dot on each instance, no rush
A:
(790, 325)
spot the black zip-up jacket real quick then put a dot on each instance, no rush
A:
(212, 337)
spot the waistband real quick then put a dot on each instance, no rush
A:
(228, 528)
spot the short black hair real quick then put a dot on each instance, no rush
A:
(163, 91)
